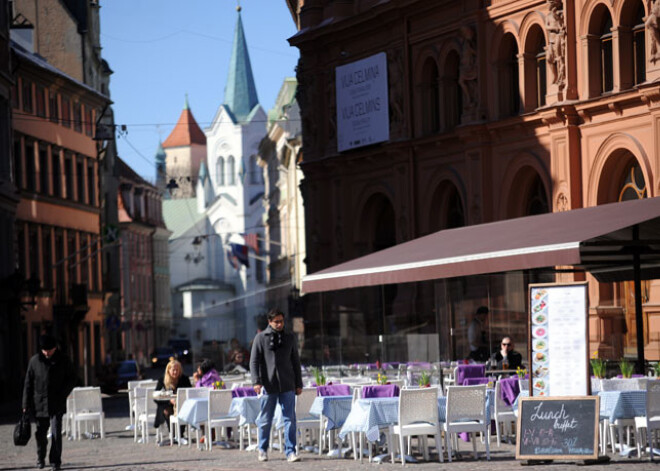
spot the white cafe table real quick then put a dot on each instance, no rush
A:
(334, 409)
(194, 411)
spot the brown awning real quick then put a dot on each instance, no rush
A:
(600, 239)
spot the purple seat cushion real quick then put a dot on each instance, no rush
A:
(243, 392)
(469, 371)
(334, 390)
(380, 390)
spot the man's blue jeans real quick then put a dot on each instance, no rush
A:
(287, 401)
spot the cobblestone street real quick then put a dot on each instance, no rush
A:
(117, 452)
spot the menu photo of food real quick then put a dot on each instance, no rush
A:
(540, 387)
(540, 294)
(539, 332)
(539, 319)
(539, 307)
(540, 345)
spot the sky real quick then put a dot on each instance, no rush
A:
(159, 50)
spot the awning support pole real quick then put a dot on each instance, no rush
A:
(639, 315)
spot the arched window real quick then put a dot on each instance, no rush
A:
(541, 80)
(231, 170)
(606, 60)
(430, 97)
(535, 69)
(508, 78)
(639, 46)
(537, 200)
(255, 171)
(452, 96)
(220, 171)
(446, 208)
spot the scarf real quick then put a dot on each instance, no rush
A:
(275, 339)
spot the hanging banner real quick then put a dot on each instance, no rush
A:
(362, 102)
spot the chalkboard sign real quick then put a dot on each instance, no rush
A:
(558, 428)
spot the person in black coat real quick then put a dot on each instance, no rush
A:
(171, 381)
(49, 380)
(506, 358)
(275, 371)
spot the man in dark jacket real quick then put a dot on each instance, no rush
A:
(49, 379)
(275, 371)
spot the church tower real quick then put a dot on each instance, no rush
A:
(161, 171)
(235, 183)
(185, 149)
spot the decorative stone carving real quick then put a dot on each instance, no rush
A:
(468, 71)
(652, 23)
(562, 202)
(555, 52)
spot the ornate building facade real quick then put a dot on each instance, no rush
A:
(496, 109)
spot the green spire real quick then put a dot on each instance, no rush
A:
(160, 153)
(240, 91)
(185, 105)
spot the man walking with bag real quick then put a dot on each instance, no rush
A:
(49, 379)
(275, 371)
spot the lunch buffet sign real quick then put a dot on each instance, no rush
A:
(558, 339)
(551, 428)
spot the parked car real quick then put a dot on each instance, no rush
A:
(182, 348)
(115, 376)
(161, 356)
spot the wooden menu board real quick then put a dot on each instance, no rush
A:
(557, 428)
(558, 340)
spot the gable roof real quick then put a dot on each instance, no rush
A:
(186, 131)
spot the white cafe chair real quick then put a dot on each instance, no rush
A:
(145, 413)
(218, 416)
(305, 423)
(466, 412)
(651, 422)
(503, 414)
(87, 407)
(418, 415)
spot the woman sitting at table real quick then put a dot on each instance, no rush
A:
(506, 358)
(206, 375)
(171, 381)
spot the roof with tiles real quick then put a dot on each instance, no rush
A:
(186, 132)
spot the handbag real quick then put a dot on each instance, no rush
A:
(22, 430)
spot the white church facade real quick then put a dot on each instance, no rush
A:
(218, 267)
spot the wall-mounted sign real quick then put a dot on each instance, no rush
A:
(558, 328)
(362, 102)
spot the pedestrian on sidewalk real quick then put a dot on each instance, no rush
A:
(49, 380)
(277, 377)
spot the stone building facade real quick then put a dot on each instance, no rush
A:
(497, 109)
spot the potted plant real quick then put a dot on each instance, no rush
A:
(319, 377)
(521, 372)
(382, 379)
(597, 366)
(219, 385)
(626, 368)
(424, 379)
(656, 370)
